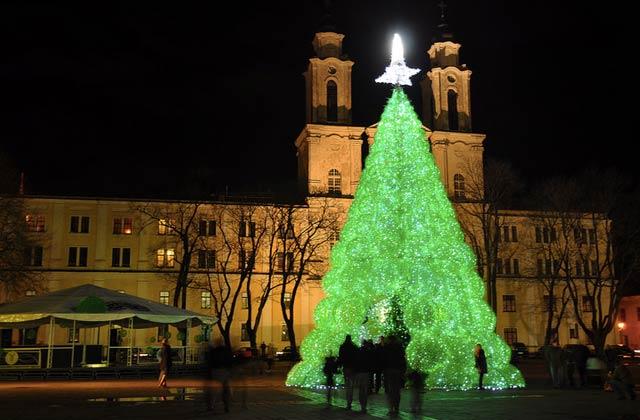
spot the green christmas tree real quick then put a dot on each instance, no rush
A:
(402, 242)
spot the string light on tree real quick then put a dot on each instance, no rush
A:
(402, 261)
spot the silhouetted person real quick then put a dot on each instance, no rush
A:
(364, 366)
(329, 369)
(347, 359)
(416, 381)
(165, 362)
(481, 364)
(395, 365)
(219, 361)
(621, 380)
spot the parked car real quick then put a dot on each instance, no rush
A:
(519, 350)
(243, 353)
(285, 354)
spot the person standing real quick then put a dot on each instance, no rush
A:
(395, 365)
(165, 362)
(481, 364)
(347, 355)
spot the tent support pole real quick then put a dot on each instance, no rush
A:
(52, 324)
(109, 344)
(130, 350)
(73, 343)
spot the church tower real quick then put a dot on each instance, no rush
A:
(328, 148)
(446, 99)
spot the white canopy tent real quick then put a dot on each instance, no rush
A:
(90, 306)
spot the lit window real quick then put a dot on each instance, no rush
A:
(164, 297)
(205, 300)
(35, 223)
(165, 258)
(122, 226)
(335, 182)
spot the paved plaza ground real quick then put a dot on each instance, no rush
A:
(266, 397)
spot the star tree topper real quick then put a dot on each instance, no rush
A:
(397, 73)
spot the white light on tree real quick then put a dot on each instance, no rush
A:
(397, 73)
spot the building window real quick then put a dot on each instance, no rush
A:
(573, 331)
(205, 300)
(164, 297)
(244, 332)
(79, 224)
(77, 256)
(120, 257)
(458, 187)
(511, 335)
(287, 300)
(35, 223)
(246, 259)
(73, 335)
(164, 226)
(247, 229)
(281, 257)
(284, 333)
(122, 226)
(206, 258)
(30, 293)
(452, 108)
(207, 228)
(549, 304)
(587, 304)
(245, 300)
(33, 256)
(335, 182)
(622, 315)
(332, 101)
(165, 258)
(508, 303)
(286, 233)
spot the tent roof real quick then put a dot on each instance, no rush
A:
(92, 306)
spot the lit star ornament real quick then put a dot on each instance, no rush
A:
(397, 73)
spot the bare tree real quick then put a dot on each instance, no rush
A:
(178, 227)
(19, 249)
(306, 231)
(488, 189)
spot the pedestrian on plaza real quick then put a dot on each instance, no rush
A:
(621, 380)
(329, 369)
(364, 366)
(395, 365)
(347, 355)
(376, 375)
(416, 381)
(481, 364)
(165, 362)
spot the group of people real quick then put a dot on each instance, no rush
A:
(370, 367)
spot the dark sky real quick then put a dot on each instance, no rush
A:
(147, 99)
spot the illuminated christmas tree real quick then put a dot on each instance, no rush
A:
(402, 245)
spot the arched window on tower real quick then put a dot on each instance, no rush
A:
(452, 107)
(335, 182)
(332, 101)
(458, 187)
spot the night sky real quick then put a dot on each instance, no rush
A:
(152, 100)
